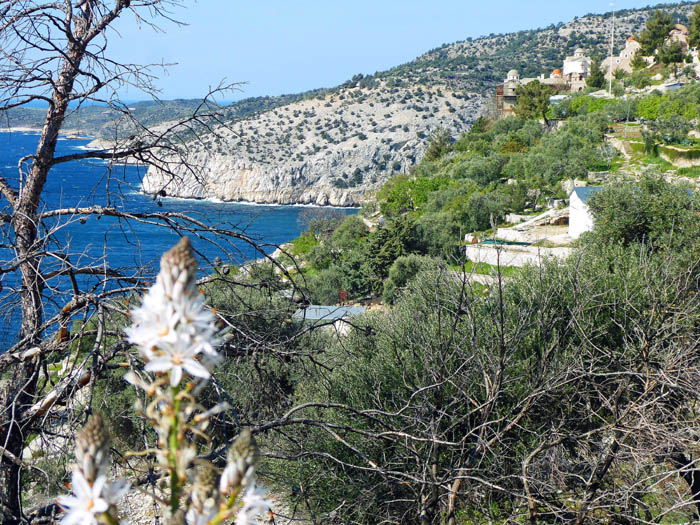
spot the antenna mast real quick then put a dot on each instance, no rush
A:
(612, 46)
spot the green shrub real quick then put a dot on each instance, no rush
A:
(648, 107)
(416, 389)
(652, 211)
(303, 244)
(639, 79)
(671, 130)
(403, 270)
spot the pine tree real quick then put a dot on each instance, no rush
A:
(671, 53)
(656, 32)
(439, 144)
(480, 125)
(637, 61)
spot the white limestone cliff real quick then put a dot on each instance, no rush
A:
(326, 151)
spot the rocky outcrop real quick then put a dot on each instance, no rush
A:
(329, 150)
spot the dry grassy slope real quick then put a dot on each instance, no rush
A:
(335, 147)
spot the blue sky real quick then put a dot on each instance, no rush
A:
(288, 46)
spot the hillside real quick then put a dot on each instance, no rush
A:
(479, 64)
(328, 150)
(105, 121)
(333, 146)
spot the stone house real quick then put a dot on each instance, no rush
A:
(572, 79)
(506, 97)
(679, 34)
(556, 80)
(624, 60)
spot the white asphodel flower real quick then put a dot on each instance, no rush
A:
(173, 329)
(176, 360)
(241, 461)
(254, 504)
(116, 490)
(87, 501)
(195, 518)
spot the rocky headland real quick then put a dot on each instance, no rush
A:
(326, 150)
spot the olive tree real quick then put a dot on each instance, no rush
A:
(651, 211)
(565, 394)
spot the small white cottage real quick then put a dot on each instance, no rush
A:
(580, 218)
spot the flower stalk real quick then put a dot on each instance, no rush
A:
(94, 499)
(175, 336)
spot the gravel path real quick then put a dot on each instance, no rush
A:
(138, 509)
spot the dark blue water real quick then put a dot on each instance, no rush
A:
(131, 247)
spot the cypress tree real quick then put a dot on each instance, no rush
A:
(597, 78)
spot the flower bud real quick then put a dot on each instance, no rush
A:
(92, 448)
(178, 269)
(241, 461)
(204, 492)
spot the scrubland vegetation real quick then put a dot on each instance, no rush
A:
(560, 393)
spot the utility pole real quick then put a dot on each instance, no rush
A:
(612, 47)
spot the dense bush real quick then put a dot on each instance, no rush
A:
(404, 270)
(532, 383)
(652, 211)
(671, 130)
(648, 107)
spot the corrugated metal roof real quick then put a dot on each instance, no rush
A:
(586, 192)
(327, 313)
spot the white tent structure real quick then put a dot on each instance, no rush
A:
(580, 218)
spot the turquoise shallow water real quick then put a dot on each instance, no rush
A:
(129, 247)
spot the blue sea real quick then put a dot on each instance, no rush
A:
(130, 247)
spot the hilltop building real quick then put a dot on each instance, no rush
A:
(577, 68)
(556, 80)
(624, 60)
(679, 34)
(506, 97)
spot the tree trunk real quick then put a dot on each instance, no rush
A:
(20, 394)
